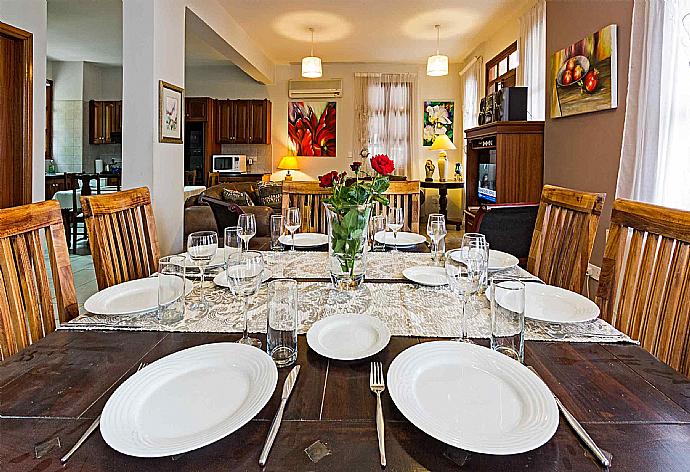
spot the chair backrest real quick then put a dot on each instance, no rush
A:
(563, 236)
(122, 235)
(190, 177)
(213, 179)
(508, 227)
(644, 287)
(308, 196)
(26, 308)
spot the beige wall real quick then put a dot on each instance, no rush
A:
(583, 151)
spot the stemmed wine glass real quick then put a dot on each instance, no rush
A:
(201, 247)
(436, 229)
(464, 271)
(247, 223)
(244, 272)
(395, 224)
(292, 223)
(477, 242)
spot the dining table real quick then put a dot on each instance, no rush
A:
(632, 405)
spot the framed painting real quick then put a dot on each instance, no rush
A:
(584, 76)
(171, 101)
(439, 117)
(312, 128)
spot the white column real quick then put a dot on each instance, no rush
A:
(152, 50)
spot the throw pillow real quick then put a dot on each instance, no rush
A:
(237, 197)
(270, 194)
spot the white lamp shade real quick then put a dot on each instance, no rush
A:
(311, 67)
(435, 66)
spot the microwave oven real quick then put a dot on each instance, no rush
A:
(230, 163)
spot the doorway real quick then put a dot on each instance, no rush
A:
(16, 105)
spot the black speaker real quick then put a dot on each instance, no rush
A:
(511, 104)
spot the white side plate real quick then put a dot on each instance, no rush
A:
(404, 239)
(348, 337)
(304, 239)
(499, 260)
(222, 278)
(473, 398)
(188, 400)
(426, 275)
(135, 296)
(217, 260)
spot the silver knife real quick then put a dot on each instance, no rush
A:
(275, 426)
(580, 430)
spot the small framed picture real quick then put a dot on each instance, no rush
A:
(170, 113)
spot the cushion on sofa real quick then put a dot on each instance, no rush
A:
(270, 194)
(237, 197)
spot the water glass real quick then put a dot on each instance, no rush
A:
(436, 230)
(508, 318)
(395, 223)
(201, 247)
(277, 230)
(245, 271)
(292, 223)
(247, 223)
(281, 330)
(171, 289)
(377, 224)
(232, 241)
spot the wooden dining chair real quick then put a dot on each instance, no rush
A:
(122, 235)
(213, 179)
(563, 236)
(644, 286)
(26, 308)
(308, 196)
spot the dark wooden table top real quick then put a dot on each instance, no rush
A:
(438, 184)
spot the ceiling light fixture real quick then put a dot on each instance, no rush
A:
(311, 65)
(437, 65)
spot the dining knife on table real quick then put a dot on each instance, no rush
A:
(275, 426)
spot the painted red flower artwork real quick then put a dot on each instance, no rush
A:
(312, 128)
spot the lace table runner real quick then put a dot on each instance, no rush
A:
(407, 309)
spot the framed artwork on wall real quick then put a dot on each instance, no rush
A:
(312, 128)
(584, 76)
(170, 103)
(439, 117)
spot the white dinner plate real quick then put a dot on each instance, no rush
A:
(222, 278)
(348, 337)
(499, 260)
(217, 260)
(556, 305)
(405, 239)
(472, 397)
(426, 275)
(134, 296)
(188, 399)
(304, 239)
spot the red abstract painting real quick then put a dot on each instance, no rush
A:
(312, 128)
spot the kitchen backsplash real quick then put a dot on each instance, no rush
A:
(260, 153)
(67, 135)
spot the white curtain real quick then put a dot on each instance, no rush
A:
(471, 85)
(532, 51)
(384, 111)
(655, 155)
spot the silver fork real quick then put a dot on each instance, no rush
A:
(91, 429)
(377, 385)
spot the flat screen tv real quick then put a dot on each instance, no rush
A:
(486, 189)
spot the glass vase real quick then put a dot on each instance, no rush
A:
(347, 244)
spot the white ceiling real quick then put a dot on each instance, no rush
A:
(367, 30)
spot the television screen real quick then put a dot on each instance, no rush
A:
(486, 190)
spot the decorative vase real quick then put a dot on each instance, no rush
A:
(442, 167)
(348, 232)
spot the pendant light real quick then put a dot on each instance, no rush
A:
(437, 65)
(311, 65)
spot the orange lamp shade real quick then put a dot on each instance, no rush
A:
(288, 163)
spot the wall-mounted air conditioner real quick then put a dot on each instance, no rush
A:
(308, 89)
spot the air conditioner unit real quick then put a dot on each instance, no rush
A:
(308, 89)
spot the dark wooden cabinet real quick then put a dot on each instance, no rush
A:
(243, 121)
(105, 122)
(196, 109)
(54, 184)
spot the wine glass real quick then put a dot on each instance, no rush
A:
(292, 223)
(463, 270)
(244, 272)
(477, 242)
(201, 247)
(395, 224)
(436, 229)
(247, 223)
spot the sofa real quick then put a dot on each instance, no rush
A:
(210, 211)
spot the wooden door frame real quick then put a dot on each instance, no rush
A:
(26, 39)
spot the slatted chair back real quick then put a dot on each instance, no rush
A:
(563, 236)
(213, 179)
(190, 177)
(644, 287)
(26, 307)
(122, 235)
(309, 197)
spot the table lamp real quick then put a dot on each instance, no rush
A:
(442, 143)
(288, 163)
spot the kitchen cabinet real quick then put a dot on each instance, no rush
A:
(105, 122)
(243, 121)
(196, 109)
(54, 183)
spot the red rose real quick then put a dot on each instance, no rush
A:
(382, 164)
(355, 166)
(327, 180)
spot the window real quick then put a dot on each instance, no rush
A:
(501, 70)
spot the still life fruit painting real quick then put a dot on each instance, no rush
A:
(584, 75)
